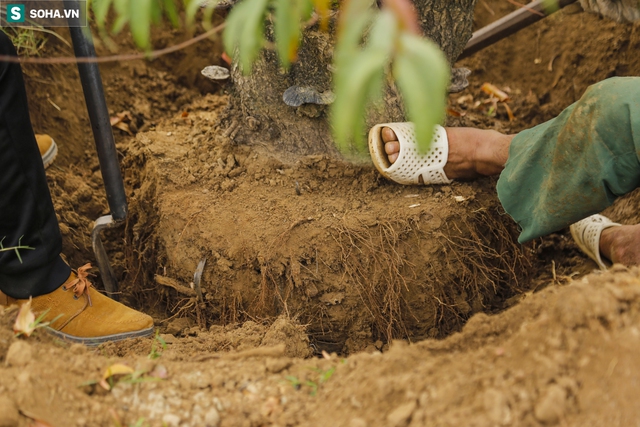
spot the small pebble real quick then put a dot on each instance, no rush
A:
(19, 354)
(400, 416)
(551, 407)
(212, 418)
(496, 405)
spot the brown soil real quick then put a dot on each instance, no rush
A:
(315, 254)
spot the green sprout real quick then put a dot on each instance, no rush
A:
(15, 248)
(157, 347)
(323, 377)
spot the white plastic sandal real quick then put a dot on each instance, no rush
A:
(586, 234)
(411, 164)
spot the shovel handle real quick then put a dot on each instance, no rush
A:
(99, 118)
(510, 24)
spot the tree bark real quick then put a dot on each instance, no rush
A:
(257, 111)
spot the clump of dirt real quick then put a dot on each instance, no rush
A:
(356, 258)
(196, 342)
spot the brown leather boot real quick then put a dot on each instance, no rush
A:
(48, 149)
(81, 314)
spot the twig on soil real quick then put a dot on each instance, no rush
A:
(189, 304)
(553, 58)
(173, 283)
(54, 104)
(486, 6)
(291, 227)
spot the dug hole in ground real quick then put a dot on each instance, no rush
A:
(426, 309)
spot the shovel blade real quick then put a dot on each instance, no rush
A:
(102, 259)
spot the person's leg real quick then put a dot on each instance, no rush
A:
(76, 312)
(621, 244)
(577, 164)
(26, 211)
(563, 170)
(472, 152)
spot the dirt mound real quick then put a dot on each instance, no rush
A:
(563, 356)
(358, 259)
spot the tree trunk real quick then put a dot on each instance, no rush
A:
(258, 112)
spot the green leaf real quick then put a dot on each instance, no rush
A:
(156, 11)
(290, 16)
(551, 6)
(191, 9)
(384, 32)
(355, 18)
(354, 82)
(360, 72)
(119, 23)
(121, 7)
(207, 15)
(382, 39)
(323, 7)
(287, 31)
(253, 34)
(245, 31)
(171, 12)
(140, 22)
(231, 34)
(422, 74)
(100, 10)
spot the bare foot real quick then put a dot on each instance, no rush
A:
(472, 152)
(621, 244)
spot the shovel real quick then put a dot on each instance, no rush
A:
(510, 24)
(105, 146)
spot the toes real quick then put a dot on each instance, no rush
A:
(392, 147)
(391, 144)
(388, 135)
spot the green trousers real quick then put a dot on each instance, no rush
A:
(576, 164)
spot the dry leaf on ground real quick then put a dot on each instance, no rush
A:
(25, 322)
(112, 371)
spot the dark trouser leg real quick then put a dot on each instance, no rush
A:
(26, 210)
(576, 164)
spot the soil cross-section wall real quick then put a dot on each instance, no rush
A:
(358, 259)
